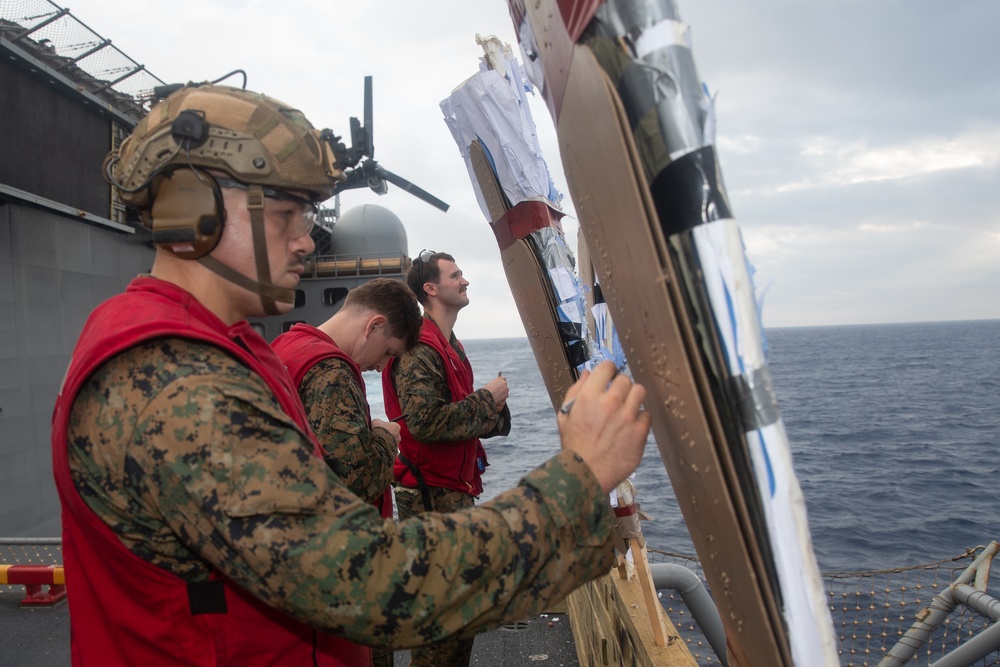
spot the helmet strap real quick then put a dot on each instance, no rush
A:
(268, 292)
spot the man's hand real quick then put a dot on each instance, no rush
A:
(605, 424)
(391, 427)
(498, 387)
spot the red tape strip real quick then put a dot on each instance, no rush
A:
(522, 219)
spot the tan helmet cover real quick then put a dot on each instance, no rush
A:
(253, 138)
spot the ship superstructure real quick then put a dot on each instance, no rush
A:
(69, 96)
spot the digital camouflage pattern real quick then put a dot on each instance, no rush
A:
(425, 399)
(337, 408)
(431, 416)
(454, 652)
(187, 456)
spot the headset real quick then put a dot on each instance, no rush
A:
(187, 215)
(164, 168)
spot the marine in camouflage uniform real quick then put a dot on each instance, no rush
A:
(444, 417)
(424, 396)
(378, 320)
(423, 393)
(188, 457)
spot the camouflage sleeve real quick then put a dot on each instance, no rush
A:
(426, 401)
(206, 468)
(337, 410)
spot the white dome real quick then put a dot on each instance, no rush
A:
(369, 230)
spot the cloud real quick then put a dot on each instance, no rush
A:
(824, 160)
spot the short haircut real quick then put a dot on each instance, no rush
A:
(394, 301)
(425, 272)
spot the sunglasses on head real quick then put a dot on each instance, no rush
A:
(424, 257)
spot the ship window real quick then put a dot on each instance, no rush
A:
(300, 298)
(259, 328)
(285, 326)
(334, 295)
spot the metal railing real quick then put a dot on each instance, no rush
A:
(68, 47)
(356, 264)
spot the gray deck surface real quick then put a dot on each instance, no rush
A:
(39, 637)
(32, 637)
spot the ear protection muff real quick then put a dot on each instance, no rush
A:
(188, 213)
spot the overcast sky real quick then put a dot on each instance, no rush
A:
(859, 139)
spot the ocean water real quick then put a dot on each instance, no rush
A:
(894, 429)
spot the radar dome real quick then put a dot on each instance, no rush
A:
(369, 230)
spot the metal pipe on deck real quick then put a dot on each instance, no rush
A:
(980, 602)
(697, 599)
(928, 620)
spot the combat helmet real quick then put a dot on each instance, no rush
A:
(167, 169)
(254, 138)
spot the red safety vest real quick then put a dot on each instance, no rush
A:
(302, 347)
(126, 611)
(455, 465)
